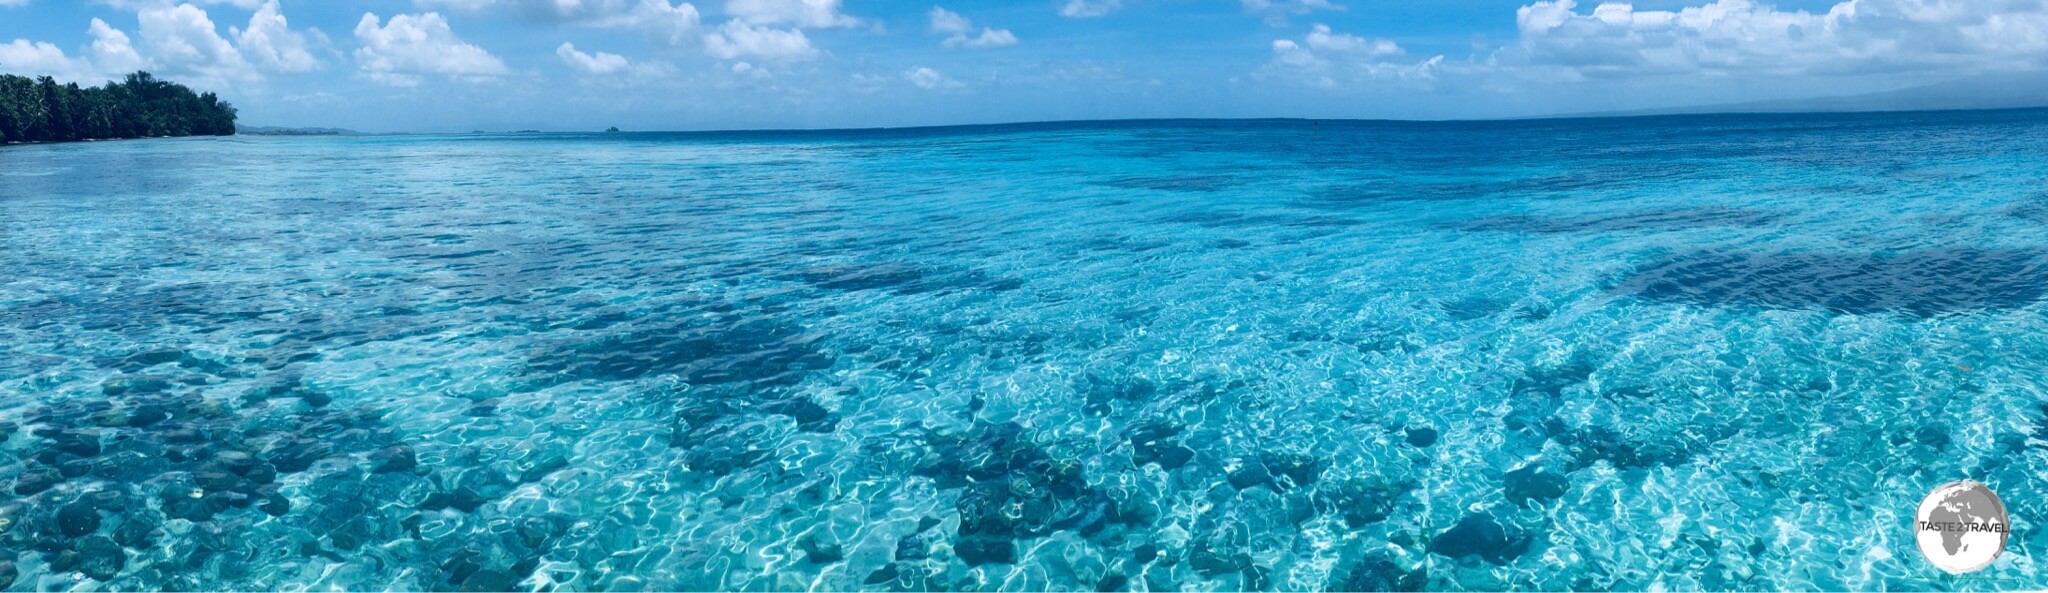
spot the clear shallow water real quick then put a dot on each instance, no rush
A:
(1683, 353)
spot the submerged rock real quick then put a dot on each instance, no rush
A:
(77, 519)
(1156, 443)
(821, 549)
(100, 558)
(1360, 502)
(1530, 483)
(1377, 573)
(81, 443)
(1480, 535)
(36, 480)
(1246, 473)
(1295, 469)
(395, 458)
(979, 550)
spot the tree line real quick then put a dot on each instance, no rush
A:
(139, 106)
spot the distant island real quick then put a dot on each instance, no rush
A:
(140, 106)
(280, 131)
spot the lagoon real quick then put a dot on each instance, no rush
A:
(1687, 353)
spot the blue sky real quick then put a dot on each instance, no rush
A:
(458, 65)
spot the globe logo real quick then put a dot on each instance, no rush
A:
(1961, 527)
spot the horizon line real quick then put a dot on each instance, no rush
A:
(1580, 116)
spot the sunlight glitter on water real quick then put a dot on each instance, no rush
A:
(1683, 353)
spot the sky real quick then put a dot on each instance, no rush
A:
(461, 65)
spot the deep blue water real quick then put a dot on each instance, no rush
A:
(1690, 353)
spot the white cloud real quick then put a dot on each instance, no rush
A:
(663, 22)
(669, 24)
(1276, 11)
(987, 38)
(112, 54)
(109, 56)
(1081, 9)
(1327, 58)
(738, 39)
(947, 21)
(184, 42)
(271, 44)
(810, 14)
(598, 64)
(138, 5)
(1294, 6)
(1742, 37)
(1321, 38)
(414, 45)
(13, 3)
(959, 28)
(927, 78)
(465, 6)
(37, 58)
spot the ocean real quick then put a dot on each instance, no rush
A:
(1676, 353)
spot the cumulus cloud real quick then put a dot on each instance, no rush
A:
(142, 4)
(664, 22)
(1321, 38)
(927, 78)
(464, 6)
(109, 56)
(37, 58)
(1746, 38)
(599, 64)
(271, 44)
(960, 31)
(111, 53)
(412, 46)
(669, 24)
(810, 14)
(738, 39)
(1329, 58)
(1276, 11)
(183, 41)
(1294, 6)
(1081, 9)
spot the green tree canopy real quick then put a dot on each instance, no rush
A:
(139, 106)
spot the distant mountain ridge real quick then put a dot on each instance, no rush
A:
(2009, 90)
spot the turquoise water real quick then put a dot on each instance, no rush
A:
(1671, 353)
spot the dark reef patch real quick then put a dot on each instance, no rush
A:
(1179, 183)
(1531, 484)
(898, 278)
(1551, 380)
(1361, 501)
(1591, 444)
(1210, 218)
(1662, 219)
(2033, 209)
(1013, 489)
(852, 277)
(733, 348)
(1481, 535)
(1927, 283)
(1376, 572)
(101, 476)
(1475, 307)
